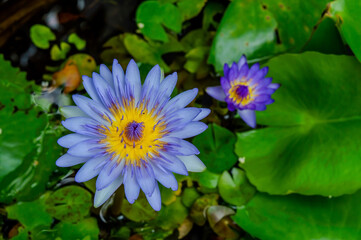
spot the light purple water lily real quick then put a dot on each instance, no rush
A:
(131, 134)
(245, 89)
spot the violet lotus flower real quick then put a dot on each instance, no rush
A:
(245, 89)
(130, 134)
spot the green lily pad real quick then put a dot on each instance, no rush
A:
(167, 195)
(57, 53)
(114, 48)
(153, 16)
(41, 35)
(301, 217)
(190, 8)
(312, 144)
(207, 180)
(70, 204)
(216, 146)
(171, 216)
(16, 110)
(29, 180)
(14, 88)
(267, 27)
(30, 214)
(150, 52)
(22, 235)
(347, 15)
(210, 11)
(77, 41)
(326, 39)
(189, 196)
(86, 229)
(11, 140)
(139, 211)
(196, 58)
(235, 190)
(195, 38)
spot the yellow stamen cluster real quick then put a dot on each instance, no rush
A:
(118, 141)
(235, 97)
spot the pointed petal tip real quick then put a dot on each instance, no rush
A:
(85, 77)
(101, 196)
(206, 112)
(216, 92)
(249, 117)
(155, 199)
(58, 163)
(97, 204)
(132, 63)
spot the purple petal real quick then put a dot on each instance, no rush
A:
(243, 71)
(152, 81)
(181, 100)
(180, 146)
(270, 101)
(173, 163)
(242, 61)
(225, 84)
(168, 84)
(102, 195)
(253, 70)
(90, 89)
(118, 78)
(165, 177)
(87, 148)
(261, 107)
(230, 105)
(248, 116)
(79, 125)
(105, 91)
(265, 90)
(155, 199)
(262, 98)
(225, 70)
(204, 113)
(250, 106)
(181, 117)
(190, 130)
(131, 186)
(71, 139)
(145, 178)
(233, 72)
(106, 74)
(259, 75)
(132, 79)
(68, 160)
(193, 163)
(92, 109)
(274, 85)
(109, 174)
(264, 82)
(216, 92)
(91, 169)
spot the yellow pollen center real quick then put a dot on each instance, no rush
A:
(134, 133)
(237, 95)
